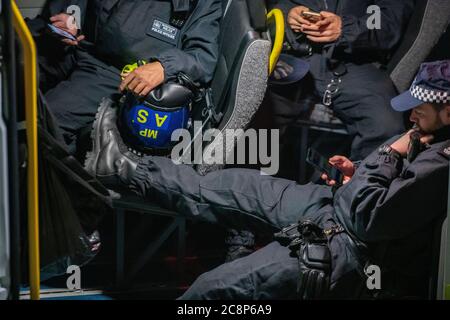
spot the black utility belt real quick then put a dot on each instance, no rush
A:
(309, 243)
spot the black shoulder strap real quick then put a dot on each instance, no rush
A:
(445, 151)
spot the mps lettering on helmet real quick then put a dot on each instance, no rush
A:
(153, 128)
(160, 120)
(142, 116)
(145, 116)
(149, 133)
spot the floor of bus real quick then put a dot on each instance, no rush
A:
(159, 279)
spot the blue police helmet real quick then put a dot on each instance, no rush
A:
(147, 124)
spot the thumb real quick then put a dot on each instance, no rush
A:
(337, 159)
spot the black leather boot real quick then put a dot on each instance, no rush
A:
(110, 160)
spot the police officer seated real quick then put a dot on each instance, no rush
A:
(382, 214)
(342, 43)
(171, 37)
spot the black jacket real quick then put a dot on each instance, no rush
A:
(356, 37)
(396, 204)
(127, 31)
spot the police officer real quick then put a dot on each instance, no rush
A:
(173, 36)
(342, 48)
(384, 213)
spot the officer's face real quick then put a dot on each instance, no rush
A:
(429, 119)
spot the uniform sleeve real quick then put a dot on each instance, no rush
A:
(394, 16)
(200, 46)
(51, 7)
(380, 203)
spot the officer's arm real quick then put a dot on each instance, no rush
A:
(379, 204)
(51, 8)
(199, 53)
(357, 35)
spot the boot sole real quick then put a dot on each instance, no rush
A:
(90, 163)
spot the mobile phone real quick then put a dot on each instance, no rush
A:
(415, 146)
(322, 164)
(311, 16)
(61, 32)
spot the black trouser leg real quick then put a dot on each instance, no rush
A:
(74, 102)
(56, 61)
(268, 273)
(235, 198)
(231, 197)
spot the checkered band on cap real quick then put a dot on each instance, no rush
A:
(430, 96)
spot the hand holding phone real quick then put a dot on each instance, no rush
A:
(321, 164)
(312, 16)
(60, 32)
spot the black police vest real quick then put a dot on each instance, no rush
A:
(131, 30)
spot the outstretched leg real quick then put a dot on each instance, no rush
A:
(228, 197)
(215, 196)
(268, 273)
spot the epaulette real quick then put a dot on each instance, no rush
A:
(445, 150)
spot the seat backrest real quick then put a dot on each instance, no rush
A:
(241, 75)
(30, 8)
(443, 277)
(429, 20)
(240, 37)
(440, 275)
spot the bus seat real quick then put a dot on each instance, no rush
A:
(240, 79)
(429, 21)
(30, 8)
(443, 275)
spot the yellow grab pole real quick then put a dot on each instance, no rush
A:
(30, 68)
(276, 16)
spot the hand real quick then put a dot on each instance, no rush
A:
(282, 70)
(67, 23)
(143, 79)
(295, 19)
(329, 29)
(344, 165)
(402, 144)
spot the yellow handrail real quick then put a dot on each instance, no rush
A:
(276, 16)
(30, 68)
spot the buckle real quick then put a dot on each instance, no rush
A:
(333, 230)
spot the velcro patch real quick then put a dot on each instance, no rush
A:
(163, 31)
(446, 150)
